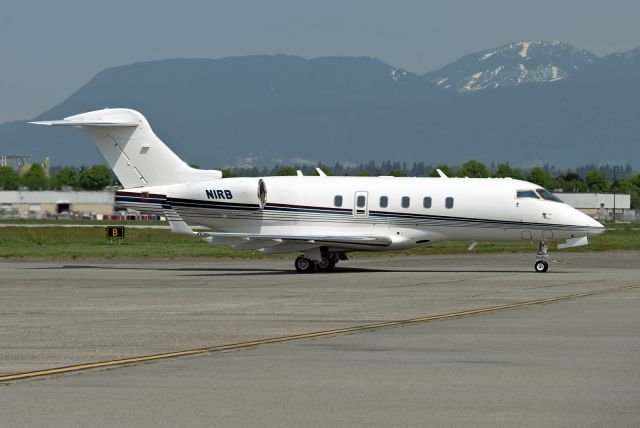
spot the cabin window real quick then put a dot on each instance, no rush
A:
(426, 202)
(360, 201)
(548, 195)
(384, 202)
(406, 201)
(526, 194)
(448, 202)
(337, 200)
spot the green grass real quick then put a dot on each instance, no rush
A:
(91, 243)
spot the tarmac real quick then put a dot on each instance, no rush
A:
(570, 362)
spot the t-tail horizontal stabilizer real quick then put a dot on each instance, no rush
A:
(79, 123)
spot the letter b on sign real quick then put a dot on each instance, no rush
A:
(115, 232)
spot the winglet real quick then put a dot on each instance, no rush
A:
(178, 225)
(321, 172)
(441, 174)
(181, 228)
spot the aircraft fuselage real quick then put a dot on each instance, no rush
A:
(411, 211)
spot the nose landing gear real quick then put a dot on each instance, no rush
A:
(542, 258)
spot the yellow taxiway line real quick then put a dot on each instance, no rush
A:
(338, 331)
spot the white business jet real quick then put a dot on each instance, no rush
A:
(325, 217)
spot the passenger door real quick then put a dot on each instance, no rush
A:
(361, 204)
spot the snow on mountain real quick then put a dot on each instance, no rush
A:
(512, 64)
(397, 74)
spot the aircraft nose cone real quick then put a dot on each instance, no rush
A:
(595, 227)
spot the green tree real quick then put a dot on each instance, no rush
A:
(444, 168)
(540, 177)
(570, 182)
(35, 178)
(65, 177)
(596, 181)
(572, 176)
(624, 186)
(397, 173)
(363, 174)
(629, 186)
(287, 170)
(9, 178)
(228, 173)
(95, 178)
(635, 181)
(473, 168)
(504, 170)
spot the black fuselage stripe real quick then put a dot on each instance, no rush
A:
(397, 217)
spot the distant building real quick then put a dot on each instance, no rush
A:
(600, 205)
(49, 203)
(19, 160)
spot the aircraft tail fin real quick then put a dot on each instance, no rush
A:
(134, 153)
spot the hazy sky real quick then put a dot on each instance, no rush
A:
(48, 49)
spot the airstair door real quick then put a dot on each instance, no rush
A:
(361, 204)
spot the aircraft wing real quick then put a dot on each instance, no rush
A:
(276, 243)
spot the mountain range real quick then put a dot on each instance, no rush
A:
(525, 103)
(512, 64)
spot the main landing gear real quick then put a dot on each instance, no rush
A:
(542, 258)
(326, 263)
(304, 265)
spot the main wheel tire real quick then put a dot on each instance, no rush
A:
(326, 264)
(304, 265)
(541, 266)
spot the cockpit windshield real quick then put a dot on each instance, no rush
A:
(548, 195)
(527, 194)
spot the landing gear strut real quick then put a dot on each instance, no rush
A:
(542, 258)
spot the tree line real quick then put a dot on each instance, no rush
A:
(588, 178)
(37, 177)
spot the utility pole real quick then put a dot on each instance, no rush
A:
(614, 192)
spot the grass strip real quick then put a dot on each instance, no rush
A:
(91, 243)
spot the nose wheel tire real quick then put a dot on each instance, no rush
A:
(304, 265)
(541, 266)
